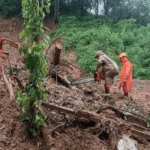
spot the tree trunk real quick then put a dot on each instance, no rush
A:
(56, 11)
(106, 7)
(96, 7)
(58, 49)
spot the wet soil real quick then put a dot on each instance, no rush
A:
(74, 135)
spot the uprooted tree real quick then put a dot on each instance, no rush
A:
(33, 34)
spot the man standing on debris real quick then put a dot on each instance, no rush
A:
(108, 72)
(1, 41)
(126, 76)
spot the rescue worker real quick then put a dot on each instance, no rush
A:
(108, 72)
(2, 52)
(126, 76)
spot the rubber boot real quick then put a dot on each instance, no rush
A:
(108, 91)
(126, 98)
(130, 98)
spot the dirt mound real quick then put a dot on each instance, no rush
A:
(63, 131)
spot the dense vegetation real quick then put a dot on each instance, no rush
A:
(112, 9)
(10, 8)
(98, 33)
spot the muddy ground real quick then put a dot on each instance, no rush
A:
(74, 135)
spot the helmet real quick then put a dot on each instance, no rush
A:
(122, 55)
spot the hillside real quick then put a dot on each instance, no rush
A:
(61, 130)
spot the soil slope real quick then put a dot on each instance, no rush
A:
(74, 135)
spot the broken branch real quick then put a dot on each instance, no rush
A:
(10, 65)
(12, 43)
(9, 86)
(54, 41)
(72, 65)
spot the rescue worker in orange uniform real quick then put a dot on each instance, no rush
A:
(2, 52)
(108, 72)
(126, 76)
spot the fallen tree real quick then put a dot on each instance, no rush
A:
(119, 123)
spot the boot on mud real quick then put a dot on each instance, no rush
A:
(108, 92)
(128, 97)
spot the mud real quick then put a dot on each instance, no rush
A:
(72, 135)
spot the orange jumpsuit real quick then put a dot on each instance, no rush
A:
(126, 74)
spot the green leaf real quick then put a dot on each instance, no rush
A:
(46, 28)
(36, 102)
(22, 117)
(21, 34)
(24, 1)
(149, 114)
(44, 79)
(37, 118)
(25, 48)
(42, 89)
(42, 122)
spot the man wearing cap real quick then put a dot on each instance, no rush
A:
(108, 72)
(126, 76)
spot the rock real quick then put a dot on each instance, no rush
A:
(57, 101)
(127, 144)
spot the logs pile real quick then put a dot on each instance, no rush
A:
(121, 123)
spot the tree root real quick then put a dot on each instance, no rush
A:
(124, 114)
(112, 128)
(47, 138)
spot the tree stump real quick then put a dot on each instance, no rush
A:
(58, 49)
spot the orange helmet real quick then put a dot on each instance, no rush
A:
(122, 55)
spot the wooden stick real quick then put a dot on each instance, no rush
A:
(73, 65)
(19, 83)
(12, 43)
(10, 65)
(58, 108)
(9, 86)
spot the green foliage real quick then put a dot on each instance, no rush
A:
(91, 34)
(129, 106)
(34, 62)
(10, 7)
(93, 108)
(113, 9)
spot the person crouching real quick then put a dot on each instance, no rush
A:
(109, 70)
